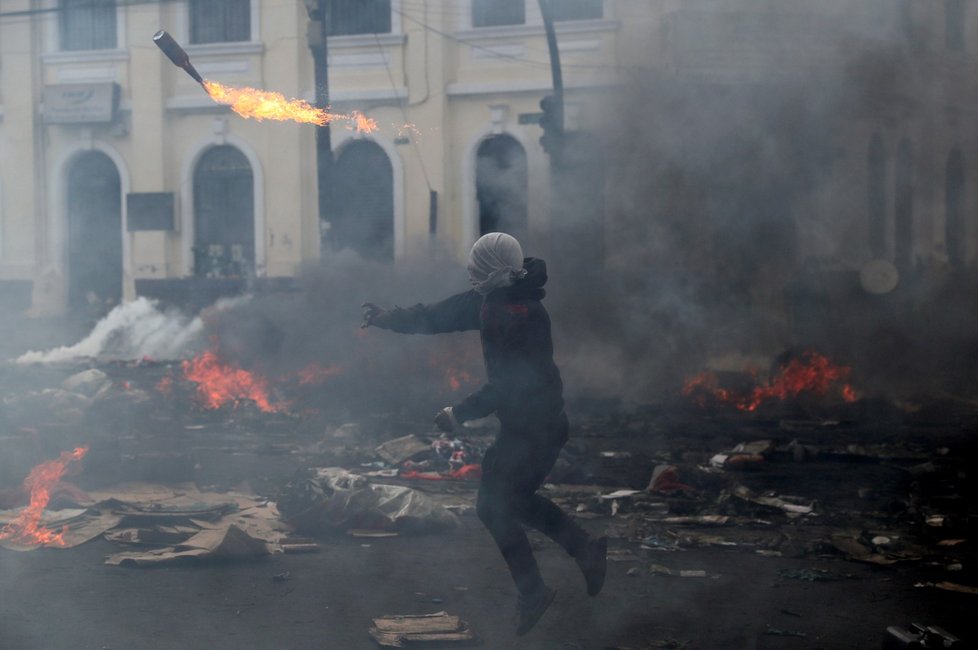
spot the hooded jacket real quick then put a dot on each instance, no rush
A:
(524, 388)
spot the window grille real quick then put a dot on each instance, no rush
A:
(87, 25)
(224, 214)
(220, 21)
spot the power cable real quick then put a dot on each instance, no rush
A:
(414, 143)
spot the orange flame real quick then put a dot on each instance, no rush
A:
(317, 374)
(219, 383)
(812, 372)
(269, 105)
(26, 528)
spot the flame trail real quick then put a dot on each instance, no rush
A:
(269, 105)
(26, 528)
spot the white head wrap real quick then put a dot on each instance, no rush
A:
(496, 261)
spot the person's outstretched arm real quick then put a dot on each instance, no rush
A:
(454, 314)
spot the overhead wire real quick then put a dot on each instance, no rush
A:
(414, 143)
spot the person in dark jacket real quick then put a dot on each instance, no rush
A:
(525, 392)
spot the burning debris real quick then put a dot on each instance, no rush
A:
(220, 383)
(26, 529)
(810, 372)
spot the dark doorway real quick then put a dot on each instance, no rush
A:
(224, 214)
(876, 196)
(501, 186)
(903, 206)
(94, 233)
(362, 214)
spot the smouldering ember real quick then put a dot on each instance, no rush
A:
(458, 378)
(317, 374)
(269, 105)
(26, 529)
(809, 373)
(220, 383)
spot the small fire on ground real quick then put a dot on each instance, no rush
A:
(269, 105)
(811, 372)
(220, 383)
(26, 529)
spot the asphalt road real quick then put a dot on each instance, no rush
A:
(55, 599)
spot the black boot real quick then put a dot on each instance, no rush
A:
(592, 560)
(531, 607)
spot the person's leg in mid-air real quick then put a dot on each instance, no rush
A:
(513, 470)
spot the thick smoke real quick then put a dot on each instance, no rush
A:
(133, 330)
(734, 162)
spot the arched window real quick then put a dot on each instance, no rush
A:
(954, 208)
(903, 205)
(94, 200)
(362, 213)
(954, 16)
(876, 196)
(501, 186)
(224, 214)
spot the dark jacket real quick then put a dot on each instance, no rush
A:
(524, 389)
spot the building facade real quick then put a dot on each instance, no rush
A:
(120, 176)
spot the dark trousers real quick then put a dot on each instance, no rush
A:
(513, 469)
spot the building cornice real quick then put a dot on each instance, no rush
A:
(366, 40)
(522, 31)
(529, 86)
(85, 56)
(225, 49)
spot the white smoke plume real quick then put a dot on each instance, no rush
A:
(133, 330)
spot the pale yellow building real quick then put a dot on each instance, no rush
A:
(120, 176)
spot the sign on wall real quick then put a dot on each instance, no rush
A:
(91, 103)
(149, 211)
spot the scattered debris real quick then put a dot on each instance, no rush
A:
(920, 636)
(776, 631)
(229, 543)
(791, 506)
(332, 499)
(440, 628)
(810, 575)
(398, 450)
(950, 586)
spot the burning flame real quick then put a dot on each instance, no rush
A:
(811, 372)
(219, 383)
(317, 374)
(26, 528)
(269, 105)
(457, 378)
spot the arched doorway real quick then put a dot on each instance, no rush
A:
(903, 206)
(876, 196)
(501, 186)
(362, 211)
(954, 182)
(94, 198)
(224, 214)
